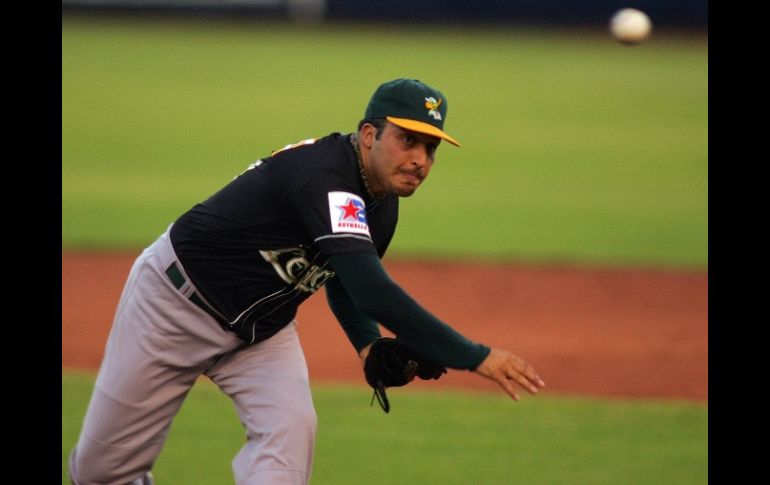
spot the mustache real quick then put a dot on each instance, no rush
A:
(416, 172)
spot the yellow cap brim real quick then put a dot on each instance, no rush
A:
(421, 127)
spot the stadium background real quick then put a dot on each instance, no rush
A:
(624, 215)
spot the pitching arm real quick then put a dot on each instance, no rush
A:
(375, 294)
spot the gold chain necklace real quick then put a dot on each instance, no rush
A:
(357, 149)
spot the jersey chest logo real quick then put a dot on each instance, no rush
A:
(293, 267)
(347, 213)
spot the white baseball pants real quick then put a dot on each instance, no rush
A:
(160, 343)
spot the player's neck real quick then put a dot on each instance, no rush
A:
(363, 158)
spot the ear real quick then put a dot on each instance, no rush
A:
(366, 135)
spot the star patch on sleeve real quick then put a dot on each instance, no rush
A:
(347, 213)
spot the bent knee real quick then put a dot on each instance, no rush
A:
(309, 419)
(99, 464)
(301, 421)
(286, 426)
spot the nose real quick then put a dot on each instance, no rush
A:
(420, 157)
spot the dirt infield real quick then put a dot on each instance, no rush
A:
(601, 332)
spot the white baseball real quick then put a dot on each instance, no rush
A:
(630, 25)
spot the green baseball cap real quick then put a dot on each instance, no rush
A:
(411, 105)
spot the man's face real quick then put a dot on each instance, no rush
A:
(400, 160)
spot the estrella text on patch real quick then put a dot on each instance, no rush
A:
(347, 213)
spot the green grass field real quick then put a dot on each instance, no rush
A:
(442, 438)
(576, 148)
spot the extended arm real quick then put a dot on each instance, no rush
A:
(374, 294)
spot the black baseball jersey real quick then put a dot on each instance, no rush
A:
(257, 248)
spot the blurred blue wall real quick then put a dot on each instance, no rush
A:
(663, 13)
(539, 12)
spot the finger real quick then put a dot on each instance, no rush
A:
(519, 374)
(534, 378)
(524, 382)
(529, 372)
(507, 387)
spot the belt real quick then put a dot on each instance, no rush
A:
(178, 280)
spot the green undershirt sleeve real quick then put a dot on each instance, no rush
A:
(360, 329)
(374, 294)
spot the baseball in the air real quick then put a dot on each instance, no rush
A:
(630, 25)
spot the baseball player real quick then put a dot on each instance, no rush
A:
(217, 294)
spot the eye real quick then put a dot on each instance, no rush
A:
(409, 139)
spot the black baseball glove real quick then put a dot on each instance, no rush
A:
(390, 363)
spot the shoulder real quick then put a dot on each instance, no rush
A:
(329, 159)
(313, 151)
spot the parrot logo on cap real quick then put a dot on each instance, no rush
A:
(432, 105)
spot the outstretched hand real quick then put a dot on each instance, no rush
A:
(504, 367)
